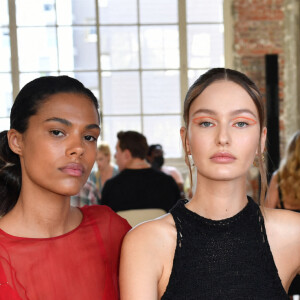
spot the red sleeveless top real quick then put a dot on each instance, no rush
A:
(81, 264)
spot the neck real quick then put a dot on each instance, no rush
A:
(138, 163)
(106, 169)
(218, 200)
(43, 215)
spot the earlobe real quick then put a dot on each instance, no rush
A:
(127, 154)
(15, 141)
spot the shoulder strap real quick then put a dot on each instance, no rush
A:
(176, 213)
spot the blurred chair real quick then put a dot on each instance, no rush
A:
(136, 216)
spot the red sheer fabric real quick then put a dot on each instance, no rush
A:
(81, 264)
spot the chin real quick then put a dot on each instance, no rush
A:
(70, 190)
(221, 176)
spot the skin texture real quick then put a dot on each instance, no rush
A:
(122, 157)
(104, 167)
(60, 136)
(219, 124)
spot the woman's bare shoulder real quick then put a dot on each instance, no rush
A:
(147, 255)
(153, 232)
(284, 224)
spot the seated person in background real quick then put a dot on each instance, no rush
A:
(284, 189)
(137, 186)
(88, 195)
(155, 157)
(105, 169)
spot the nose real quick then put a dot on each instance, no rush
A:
(75, 148)
(223, 135)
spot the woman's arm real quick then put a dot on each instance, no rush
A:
(143, 256)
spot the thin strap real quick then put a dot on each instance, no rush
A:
(279, 191)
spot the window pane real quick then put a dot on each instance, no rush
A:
(112, 125)
(205, 46)
(27, 77)
(164, 130)
(159, 47)
(121, 92)
(4, 50)
(77, 48)
(89, 79)
(161, 93)
(119, 47)
(39, 49)
(4, 124)
(158, 11)
(118, 11)
(4, 21)
(5, 95)
(193, 75)
(35, 13)
(204, 11)
(75, 12)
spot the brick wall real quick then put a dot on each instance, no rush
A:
(259, 30)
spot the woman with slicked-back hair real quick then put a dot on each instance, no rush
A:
(48, 249)
(220, 244)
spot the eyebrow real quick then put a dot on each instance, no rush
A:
(234, 113)
(68, 123)
(204, 110)
(240, 111)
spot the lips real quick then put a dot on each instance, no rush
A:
(223, 157)
(73, 169)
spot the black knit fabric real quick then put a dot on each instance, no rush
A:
(226, 259)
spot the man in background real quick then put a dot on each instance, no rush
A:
(138, 186)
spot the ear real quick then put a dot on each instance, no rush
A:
(127, 155)
(185, 140)
(262, 140)
(15, 141)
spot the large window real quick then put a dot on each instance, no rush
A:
(138, 56)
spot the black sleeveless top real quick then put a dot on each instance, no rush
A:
(225, 259)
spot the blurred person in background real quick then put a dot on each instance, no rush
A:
(88, 195)
(156, 158)
(137, 186)
(105, 168)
